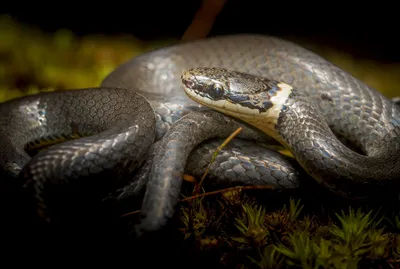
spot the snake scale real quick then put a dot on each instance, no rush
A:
(140, 128)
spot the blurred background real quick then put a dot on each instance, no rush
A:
(53, 46)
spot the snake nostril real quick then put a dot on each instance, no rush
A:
(189, 83)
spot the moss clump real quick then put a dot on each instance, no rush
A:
(235, 229)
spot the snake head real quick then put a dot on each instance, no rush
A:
(232, 91)
(252, 99)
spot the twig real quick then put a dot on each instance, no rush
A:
(226, 141)
(130, 213)
(240, 188)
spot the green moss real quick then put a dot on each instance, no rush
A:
(260, 237)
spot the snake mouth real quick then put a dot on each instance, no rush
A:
(196, 96)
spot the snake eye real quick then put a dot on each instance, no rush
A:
(218, 90)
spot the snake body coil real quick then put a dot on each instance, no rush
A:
(350, 108)
(288, 115)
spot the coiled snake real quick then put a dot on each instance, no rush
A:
(120, 126)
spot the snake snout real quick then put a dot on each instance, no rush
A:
(188, 79)
(188, 83)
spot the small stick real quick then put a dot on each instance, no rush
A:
(226, 141)
(240, 188)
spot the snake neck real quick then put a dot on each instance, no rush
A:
(304, 131)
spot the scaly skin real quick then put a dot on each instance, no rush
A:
(243, 162)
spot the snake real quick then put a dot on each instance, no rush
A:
(145, 117)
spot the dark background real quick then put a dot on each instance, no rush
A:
(368, 29)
